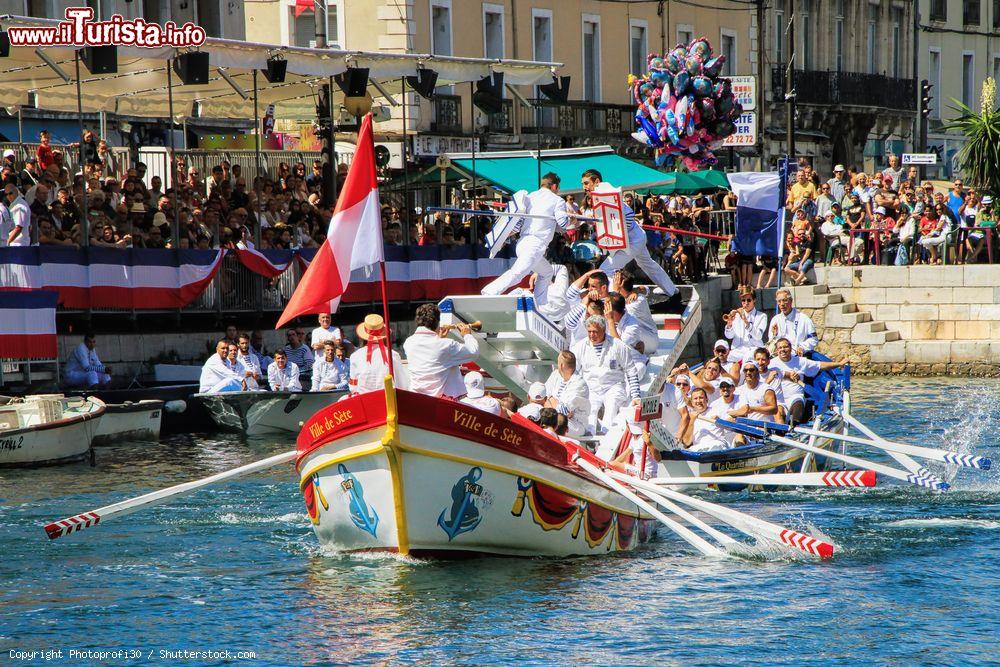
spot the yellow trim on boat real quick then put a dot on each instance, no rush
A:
(510, 471)
(348, 454)
(391, 445)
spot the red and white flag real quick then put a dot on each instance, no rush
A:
(353, 241)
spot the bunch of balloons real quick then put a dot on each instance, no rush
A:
(684, 108)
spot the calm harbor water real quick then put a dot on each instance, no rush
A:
(236, 567)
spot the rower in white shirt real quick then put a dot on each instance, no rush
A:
(250, 362)
(606, 365)
(84, 368)
(476, 396)
(794, 370)
(370, 364)
(333, 371)
(222, 373)
(282, 374)
(324, 332)
(536, 401)
(568, 394)
(757, 400)
(632, 457)
(745, 326)
(637, 305)
(536, 234)
(789, 323)
(435, 361)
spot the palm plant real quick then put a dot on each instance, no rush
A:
(980, 156)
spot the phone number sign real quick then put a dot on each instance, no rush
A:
(746, 131)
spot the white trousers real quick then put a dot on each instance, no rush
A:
(611, 399)
(638, 251)
(530, 259)
(86, 378)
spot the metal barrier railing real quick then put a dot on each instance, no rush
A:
(71, 155)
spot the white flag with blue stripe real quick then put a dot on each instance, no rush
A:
(760, 213)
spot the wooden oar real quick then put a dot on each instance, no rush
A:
(832, 478)
(918, 480)
(88, 519)
(684, 533)
(744, 522)
(930, 453)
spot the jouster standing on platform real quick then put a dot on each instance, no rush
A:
(637, 249)
(370, 364)
(789, 323)
(568, 394)
(332, 372)
(536, 234)
(84, 368)
(282, 374)
(606, 365)
(745, 326)
(434, 361)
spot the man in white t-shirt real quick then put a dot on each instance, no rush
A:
(324, 332)
(794, 370)
(475, 394)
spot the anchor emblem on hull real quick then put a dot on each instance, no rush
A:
(465, 515)
(364, 517)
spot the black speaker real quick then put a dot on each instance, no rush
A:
(424, 82)
(4, 44)
(557, 91)
(353, 82)
(100, 59)
(489, 93)
(276, 68)
(192, 68)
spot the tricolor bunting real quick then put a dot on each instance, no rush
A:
(28, 325)
(353, 240)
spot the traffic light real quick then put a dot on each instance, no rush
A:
(925, 98)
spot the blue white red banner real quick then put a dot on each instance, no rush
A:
(111, 277)
(760, 201)
(269, 263)
(28, 325)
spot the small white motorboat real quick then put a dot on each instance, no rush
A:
(139, 420)
(47, 429)
(262, 412)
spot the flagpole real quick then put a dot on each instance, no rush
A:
(381, 266)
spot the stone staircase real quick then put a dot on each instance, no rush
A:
(840, 321)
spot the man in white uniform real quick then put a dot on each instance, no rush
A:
(84, 368)
(631, 458)
(568, 394)
(637, 305)
(556, 305)
(637, 249)
(626, 328)
(220, 373)
(536, 233)
(536, 401)
(324, 332)
(606, 365)
(757, 400)
(19, 231)
(370, 364)
(434, 361)
(794, 370)
(250, 362)
(745, 327)
(331, 373)
(791, 324)
(475, 394)
(282, 374)
(720, 407)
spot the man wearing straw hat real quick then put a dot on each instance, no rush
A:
(370, 363)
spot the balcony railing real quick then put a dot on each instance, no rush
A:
(847, 88)
(447, 114)
(503, 122)
(577, 119)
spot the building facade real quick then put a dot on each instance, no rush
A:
(959, 45)
(855, 86)
(598, 43)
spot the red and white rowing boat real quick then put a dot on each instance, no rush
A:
(398, 471)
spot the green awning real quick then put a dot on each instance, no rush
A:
(520, 172)
(692, 182)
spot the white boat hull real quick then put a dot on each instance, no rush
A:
(59, 441)
(130, 421)
(432, 491)
(266, 412)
